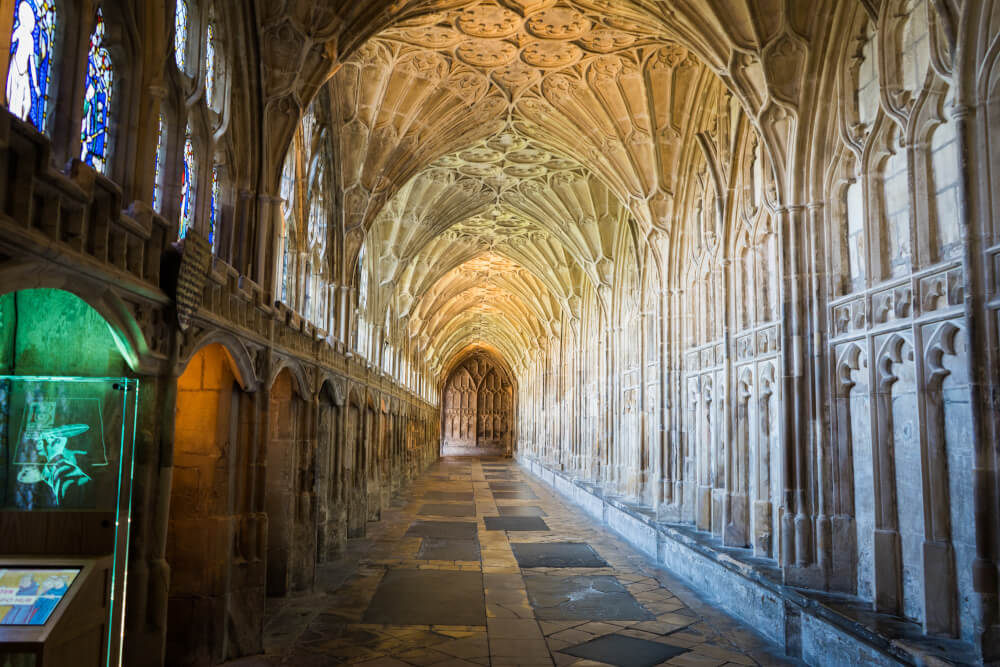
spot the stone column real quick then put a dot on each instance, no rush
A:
(982, 386)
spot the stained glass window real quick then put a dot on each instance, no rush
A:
(210, 65)
(158, 167)
(288, 212)
(29, 71)
(94, 134)
(215, 204)
(187, 186)
(180, 34)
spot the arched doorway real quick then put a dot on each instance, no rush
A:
(290, 498)
(331, 536)
(216, 604)
(354, 463)
(477, 408)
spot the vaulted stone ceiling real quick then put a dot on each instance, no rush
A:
(540, 136)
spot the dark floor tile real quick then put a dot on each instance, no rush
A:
(521, 523)
(520, 510)
(445, 530)
(582, 597)
(428, 597)
(447, 509)
(558, 554)
(432, 548)
(527, 494)
(450, 495)
(624, 651)
(509, 486)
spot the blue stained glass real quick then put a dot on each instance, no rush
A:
(216, 201)
(158, 167)
(180, 34)
(29, 71)
(210, 65)
(97, 100)
(187, 187)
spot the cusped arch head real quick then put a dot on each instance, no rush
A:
(125, 330)
(355, 396)
(852, 359)
(894, 351)
(497, 359)
(238, 354)
(941, 343)
(333, 389)
(300, 381)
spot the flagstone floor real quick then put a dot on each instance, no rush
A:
(479, 564)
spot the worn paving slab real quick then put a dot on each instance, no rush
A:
(558, 554)
(624, 651)
(515, 495)
(457, 496)
(428, 597)
(583, 597)
(454, 550)
(446, 530)
(448, 509)
(515, 523)
(520, 510)
(437, 592)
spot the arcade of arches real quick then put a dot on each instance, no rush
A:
(725, 274)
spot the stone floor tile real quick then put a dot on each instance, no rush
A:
(456, 662)
(573, 636)
(521, 648)
(691, 659)
(423, 657)
(723, 654)
(448, 509)
(446, 598)
(382, 662)
(515, 661)
(520, 510)
(597, 628)
(552, 627)
(500, 628)
(556, 555)
(624, 651)
(515, 523)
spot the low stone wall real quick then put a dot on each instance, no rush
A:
(806, 628)
(466, 450)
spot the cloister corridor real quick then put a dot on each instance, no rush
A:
(500, 332)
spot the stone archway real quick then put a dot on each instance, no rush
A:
(477, 408)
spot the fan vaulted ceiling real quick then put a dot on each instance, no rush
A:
(496, 159)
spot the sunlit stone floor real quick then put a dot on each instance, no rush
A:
(477, 564)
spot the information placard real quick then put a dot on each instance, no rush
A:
(28, 596)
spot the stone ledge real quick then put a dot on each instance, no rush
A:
(819, 628)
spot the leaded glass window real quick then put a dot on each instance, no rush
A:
(94, 135)
(181, 34)
(210, 65)
(187, 186)
(216, 202)
(288, 213)
(29, 72)
(158, 166)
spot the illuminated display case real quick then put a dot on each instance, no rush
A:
(66, 470)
